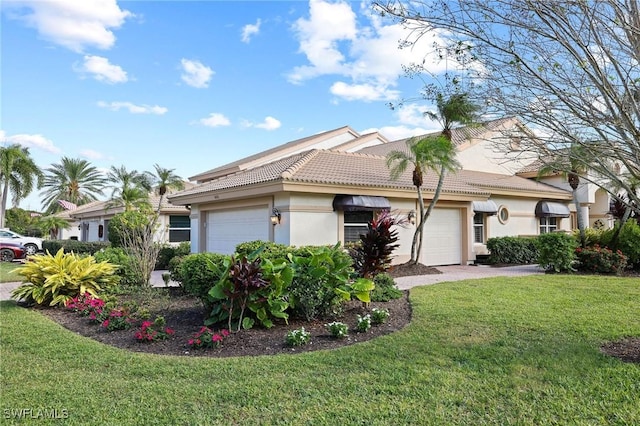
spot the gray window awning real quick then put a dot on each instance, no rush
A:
(487, 207)
(350, 203)
(552, 209)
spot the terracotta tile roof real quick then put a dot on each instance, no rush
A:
(459, 136)
(498, 181)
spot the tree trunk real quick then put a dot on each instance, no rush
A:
(3, 207)
(425, 215)
(579, 219)
(417, 235)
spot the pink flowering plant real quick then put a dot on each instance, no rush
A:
(207, 338)
(117, 319)
(86, 305)
(152, 331)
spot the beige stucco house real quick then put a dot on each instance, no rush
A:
(324, 188)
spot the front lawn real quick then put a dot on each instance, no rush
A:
(493, 351)
(7, 272)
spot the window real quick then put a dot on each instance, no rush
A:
(356, 224)
(548, 224)
(478, 228)
(503, 215)
(179, 229)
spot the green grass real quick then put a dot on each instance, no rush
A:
(519, 351)
(7, 272)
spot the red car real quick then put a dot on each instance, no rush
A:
(11, 251)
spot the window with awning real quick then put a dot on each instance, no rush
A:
(352, 203)
(552, 209)
(487, 207)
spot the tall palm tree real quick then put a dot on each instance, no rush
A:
(131, 198)
(52, 224)
(18, 174)
(436, 153)
(73, 180)
(130, 188)
(164, 180)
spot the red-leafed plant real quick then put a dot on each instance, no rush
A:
(372, 255)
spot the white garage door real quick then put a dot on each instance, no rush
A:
(227, 228)
(442, 238)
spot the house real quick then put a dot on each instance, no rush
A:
(93, 220)
(324, 188)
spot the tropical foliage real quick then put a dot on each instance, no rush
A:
(72, 180)
(18, 176)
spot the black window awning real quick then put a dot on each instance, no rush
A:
(351, 203)
(552, 209)
(487, 207)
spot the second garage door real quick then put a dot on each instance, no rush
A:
(442, 238)
(227, 228)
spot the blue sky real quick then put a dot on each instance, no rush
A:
(192, 85)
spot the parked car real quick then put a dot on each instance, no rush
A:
(11, 251)
(32, 245)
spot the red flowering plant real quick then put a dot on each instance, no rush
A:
(118, 319)
(600, 260)
(86, 305)
(153, 331)
(207, 338)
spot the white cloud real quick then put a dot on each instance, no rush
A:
(215, 120)
(102, 70)
(30, 141)
(363, 92)
(92, 155)
(414, 114)
(133, 108)
(366, 52)
(250, 30)
(74, 24)
(269, 123)
(195, 74)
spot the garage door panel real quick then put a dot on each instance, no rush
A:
(442, 240)
(228, 228)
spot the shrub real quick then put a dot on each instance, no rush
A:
(117, 256)
(52, 280)
(386, 289)
(78, 247)
(629, 243)
(337, 329)
(298, 337)
(512, 250)
(379, 316)
(153, 331)
(373, 255)
(317, 275)
(600, 260)
(197, 276)
(126, 222)
(557, 251)
(168, 252)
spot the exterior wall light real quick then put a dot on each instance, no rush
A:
(275, 217)
(411, 217)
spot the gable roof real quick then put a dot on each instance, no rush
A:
(340, 139)
(459, 136)
(335, 168)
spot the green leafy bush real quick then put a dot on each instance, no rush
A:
(386, 289)
(364, 323)
(512, 250)
(557, 251)
(53, 280)
(600, 260)
(168, 252)
(629, 243)
(298, 337)
(379, 316)
(78, 247)
(337, 329)
(125, 222)
(197, 276)
(117, 256)
(317, 275)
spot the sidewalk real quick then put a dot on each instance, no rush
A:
(449, 273)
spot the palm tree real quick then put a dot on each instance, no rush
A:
(130, 198)
(130, 188)
(52, 224)
(164, 180)
(436, 153)
(72, 180)
(18, 173)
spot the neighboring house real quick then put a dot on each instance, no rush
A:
(324, 189)
(173, 222)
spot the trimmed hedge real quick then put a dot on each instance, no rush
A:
(513, 250)
(78, 247)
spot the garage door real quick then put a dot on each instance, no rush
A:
(227, 228)
(442, 238)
